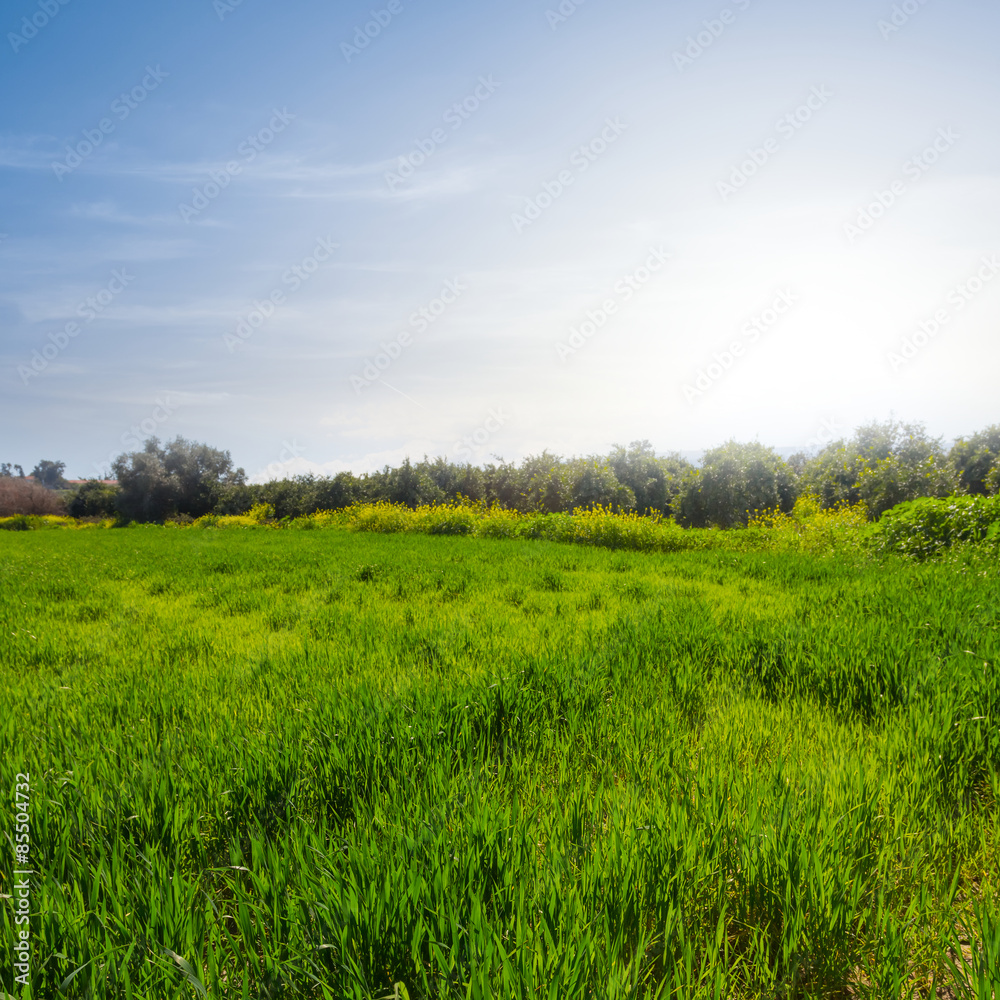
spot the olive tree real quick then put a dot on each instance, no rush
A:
(181, 477)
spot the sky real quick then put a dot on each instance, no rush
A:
(327, 236)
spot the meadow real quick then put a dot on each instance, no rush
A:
(380, 763)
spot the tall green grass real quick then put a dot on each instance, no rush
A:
(353, 764)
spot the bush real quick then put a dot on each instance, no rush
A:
(627, 531)
(227, 521)
(448, 519)
(94, 498)
(34, 522)
(19, 522)
(25, 496)
(810, 526)
(383, 517)
(923, 528)
(261, 513)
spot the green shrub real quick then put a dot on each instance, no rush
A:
(445, 520)
(925, 527)
(94, 498)
(35, 522)
(20, 522)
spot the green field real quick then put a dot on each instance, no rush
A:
(324, 763)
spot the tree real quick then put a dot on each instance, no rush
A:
(501, 485)
(883, 464)
(655, 482)
(898, 478)
(898, 462)
(5, 471)
(198, 471)
(94, 498)
(977, 460)
(146, 492)
(340, 491)
(50, 475)
(734, 481)
(545, 484)
(992, 483)
(22, 495)
(797, 463)
(181, 478)
(412, 485)
(832, 475)
(593, 482)
(453, 479)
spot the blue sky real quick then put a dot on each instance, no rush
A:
(327, 236)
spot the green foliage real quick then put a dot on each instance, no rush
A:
(49, 474)
(883, 464)
(901, 464)
(654, 482)
(832, 475)
(977, 461)
(94, 498)
(20, 522)
(196, 472)
(146, 492)
(34, 522)
(923, 528)
(411, 485)
(895, 480)
(992, 482)
(811, 527)
(546, 484)
(184, 477)
(594, 484)
(344, 764)
(261, 513)
(733, 482)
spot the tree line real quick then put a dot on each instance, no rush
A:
(882, 464)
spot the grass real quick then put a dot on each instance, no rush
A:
(371, 764)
